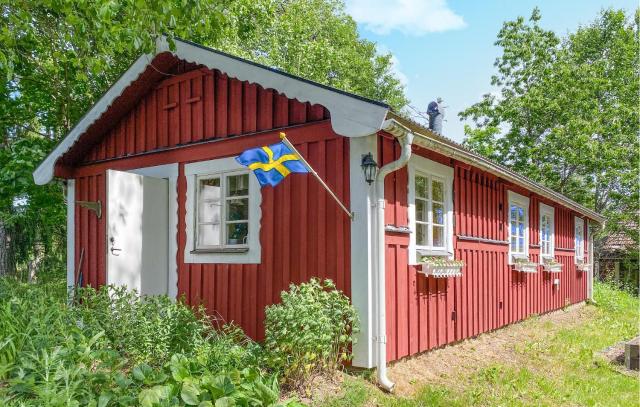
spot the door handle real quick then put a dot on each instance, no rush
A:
(114, 250)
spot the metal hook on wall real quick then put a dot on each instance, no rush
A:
(92, 206)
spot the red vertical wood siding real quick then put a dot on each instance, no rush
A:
(424, 312)
(303, 232)
(200, 105)
(170, 124)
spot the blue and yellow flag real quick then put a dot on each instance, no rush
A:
(271, 164)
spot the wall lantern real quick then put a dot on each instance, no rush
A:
(370, 167)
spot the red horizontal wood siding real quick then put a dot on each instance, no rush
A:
(424, 312)
(303, 232)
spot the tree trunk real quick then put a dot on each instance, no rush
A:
(6, 251)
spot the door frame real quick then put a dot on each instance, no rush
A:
(169, 172)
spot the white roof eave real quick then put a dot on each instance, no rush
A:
(351, 116)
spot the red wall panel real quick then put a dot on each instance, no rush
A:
(200, 106)
(424, 312)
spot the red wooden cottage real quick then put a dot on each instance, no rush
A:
(443, 246)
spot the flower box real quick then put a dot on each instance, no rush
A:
(441, 267)
(525, 266)
(551, 266)
(585, 267)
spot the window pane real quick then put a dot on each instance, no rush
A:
(421, 210)
(238, 209)
(209, 212)
(514, 212)
(520, 214)
(520, 229)
(438, 236)
(237, 233)
(421, 234)
(513, 228)
(438, 213)
(437, 191)
(208, 235)
(514, 247)
(238, 185)
(210, 189)
(209, 201)
(421, 187)
(521, 244)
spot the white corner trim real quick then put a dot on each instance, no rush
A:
(514, 197)
(351, 116)
(254, 254)
(170, 172)
(551, 212)
(362, 255)
(419, 164)
(71, 233)
(590, 260)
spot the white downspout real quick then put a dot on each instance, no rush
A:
(405, 137)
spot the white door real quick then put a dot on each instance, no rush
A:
(137, 232)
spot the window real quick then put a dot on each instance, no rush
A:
(579, 236)
(518, 226)
(222, 213)
(430, 212)
(547, 227)
(430, 209)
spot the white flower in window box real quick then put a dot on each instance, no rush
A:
(551, 265)
(582, 266)
(441, 267)
(523, 265)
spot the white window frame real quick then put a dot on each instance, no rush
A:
(549, 211)
(419, 165)
(578, 245)
(523, 202)
(223, 211)
(249, 253)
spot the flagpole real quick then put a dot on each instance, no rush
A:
(284, 139)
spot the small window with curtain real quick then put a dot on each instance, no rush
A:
(579, 239)
(430, 209)
(547, 234)
(222, 215)
(518, 226)
(430, 212)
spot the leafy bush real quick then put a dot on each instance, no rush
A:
(151, 329)
(120, 350)
(310, 331)
(113, 348)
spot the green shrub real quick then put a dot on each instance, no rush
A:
(115, 349)
(310, 331)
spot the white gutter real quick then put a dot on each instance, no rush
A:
(405, 137)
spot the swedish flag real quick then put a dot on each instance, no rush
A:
(271, 164)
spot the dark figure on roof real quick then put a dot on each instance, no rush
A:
(435, 111)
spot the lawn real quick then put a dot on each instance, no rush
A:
(554, 361)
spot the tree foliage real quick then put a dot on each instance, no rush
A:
(568, 110)
(57, 57)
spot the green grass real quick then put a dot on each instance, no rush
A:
(562, 368)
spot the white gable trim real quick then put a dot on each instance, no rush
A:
(44, 173)
(351, 116)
